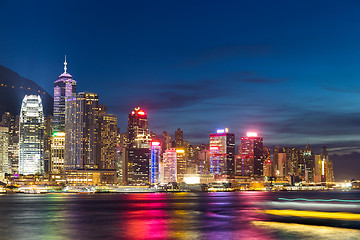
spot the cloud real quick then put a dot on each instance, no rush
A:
(251, 77)
(217, 53)
(261, 80)
(172, 95)
(346, 166)
(355, 89)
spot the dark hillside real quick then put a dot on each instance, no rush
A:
(14, 87)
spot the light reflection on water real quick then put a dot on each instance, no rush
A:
(231, 215)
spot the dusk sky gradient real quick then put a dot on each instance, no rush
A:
(287, 69)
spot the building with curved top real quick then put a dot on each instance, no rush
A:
(31, 136)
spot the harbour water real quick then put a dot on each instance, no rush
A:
(228, 215)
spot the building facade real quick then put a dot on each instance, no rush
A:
(108, 140)
(5, 165)
(155, 162)
(31, 136)
(138, 129)
(169, 166)
(64, 87)
(222, 153)
(251, 150)
(82, 132)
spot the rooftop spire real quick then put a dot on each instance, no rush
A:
(65, 64)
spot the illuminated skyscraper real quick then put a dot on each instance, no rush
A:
(138, 166)
(64, 87)
(297, 163)
(309, 161)
(155, 161)
(108, 139)
(327, 167)
(12, 124)
(166, 141)
(5, 165)
(82, 132)
(137, 155)
(222, 153)
(179, 138)
(31, 143)
(169, 166)
(204, 160)
(267, 167)
(251, 150)
(48, 135)
(138, 129)
(180, 164)
(57, 152)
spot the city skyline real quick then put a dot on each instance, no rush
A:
(294, 81)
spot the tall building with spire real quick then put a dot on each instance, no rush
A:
(64, 87)
(31, 143)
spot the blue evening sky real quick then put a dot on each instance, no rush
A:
(287, 69)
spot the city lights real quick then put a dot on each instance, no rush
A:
(251, 134)
(222, 130)
(155, 143)
(180, 151)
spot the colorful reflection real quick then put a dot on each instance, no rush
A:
(144, 219)
(301, 231)
(314, 214)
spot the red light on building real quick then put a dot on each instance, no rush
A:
(132, 112)
(155, 144)
(141, 113)
(268, 161)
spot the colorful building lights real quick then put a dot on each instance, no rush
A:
(251, 134)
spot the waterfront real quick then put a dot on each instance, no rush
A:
(230, 215)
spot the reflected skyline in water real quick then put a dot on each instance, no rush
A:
(233, 215)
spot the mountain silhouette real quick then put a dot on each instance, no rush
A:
(14, 87)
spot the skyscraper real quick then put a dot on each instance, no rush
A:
(48, 135)
(180, 164)
(327, 167)
(5, 165)
(309, 161)
(108, 140)
(179, 138)
(222, 153)
(251, 150)
(12, 124)
(169, 166)
(31, 143)
(57, 153)
(138, 166)
(155, 161)
(138, 129)
(64, 87)
(166, 141)
(137, 155)
(82, 132)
